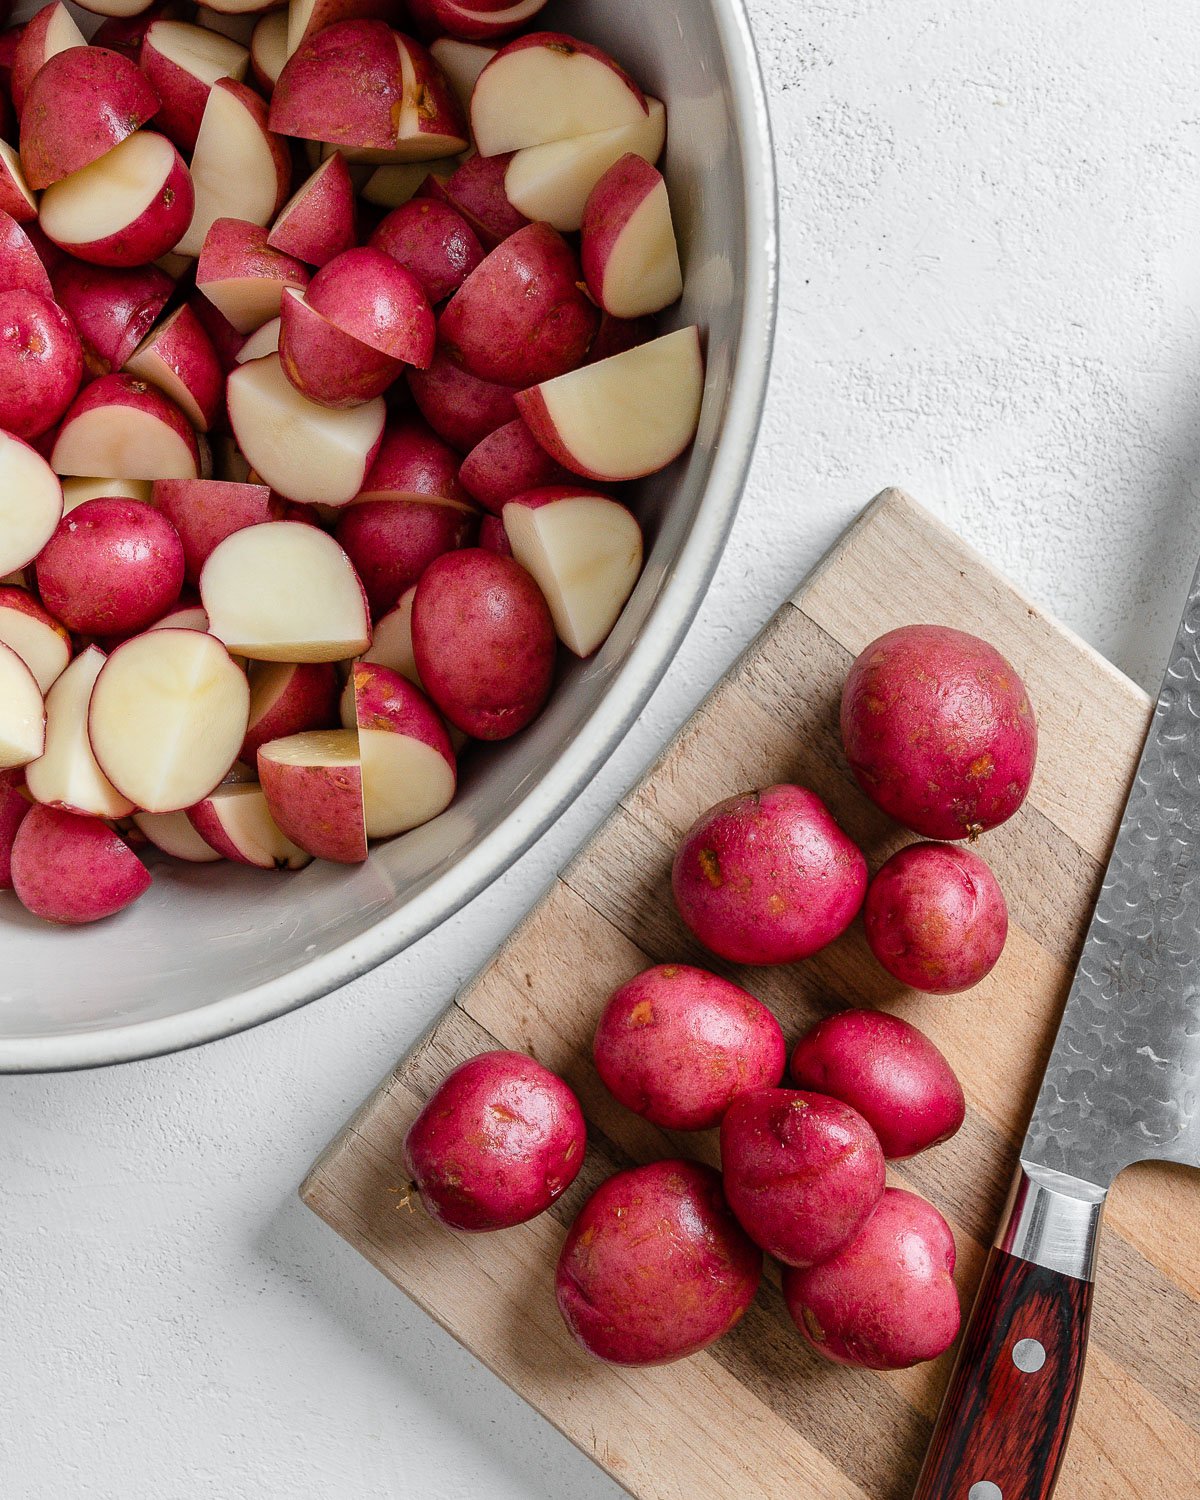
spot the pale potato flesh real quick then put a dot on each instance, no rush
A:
(173, 834)
(110, 193)
(405, 782)
(22, 714)
(123, 442)
(540, 94)
(233, 171)
(37, 643)
(642, 273)
(31, 503)
(67, 773)
(204, 54)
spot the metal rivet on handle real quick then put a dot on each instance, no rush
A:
(1029, 1356)
(984, 1489)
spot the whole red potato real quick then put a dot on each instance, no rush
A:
(886, 1300)
(676, 1044)
(939, 731)
(887, 1070)
(802, 1172)
(936, 918)
(499, 1139)
(112, 567)
(41, 362)
(768, 877)
(655, 1267)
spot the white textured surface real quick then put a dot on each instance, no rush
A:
(990, 296)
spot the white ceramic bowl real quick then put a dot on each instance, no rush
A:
(212, 949)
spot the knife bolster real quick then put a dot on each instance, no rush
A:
(1053, 1220)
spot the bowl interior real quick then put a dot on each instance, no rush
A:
(212, 948)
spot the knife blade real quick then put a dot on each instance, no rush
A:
(1122, 1085)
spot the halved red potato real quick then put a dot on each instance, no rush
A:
(408, 768)
(240, 273)
(241, 169)
(178, 358)
(73, 869)
(313, 786)
(31, 503)
(120, 427)
(344, 85)
(42, 642)
(205, 511)
(431, 122)
(628, 250)
(318, 221)
(377, 301)
(113, 308)
(288, 698)
(81, 104)
(50, 31)
(17, 198)
(21, 267)
(236, 820)
(183, 62)
(67, 773)
(326, 364)
(173, 833)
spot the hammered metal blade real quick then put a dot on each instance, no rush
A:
(1123, 1081)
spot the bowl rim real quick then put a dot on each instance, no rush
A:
(605, 726)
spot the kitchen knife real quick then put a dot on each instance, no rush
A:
(1122, 1085)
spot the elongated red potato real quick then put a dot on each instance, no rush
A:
(72, 869)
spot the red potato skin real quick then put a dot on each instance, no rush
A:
(520, 316)
(385, 700)
(111, 568)
(182, 94)
(326, 364)
(616, 335)
(13, 201)
(886, 1300)
(205, 511)
(125, 390)
(433, 241)
(498, 1141)
(493, 537)
(125, 34)
(802, 1172)
(81, 103)
(483, 642)
(30, 54)
(356, 64)
(655, 1267)
(936, 918)
(460, 408)
(223, 336)
(184, 348)
(438, 119)
(113, 308)
(413, 460)
(677, 1044)
(328, 803)
(392, 541)
(21, 267)
(318, 222)
(939, 731)
(308, 700)
(508, 462)
(768, 877)
(472, 21)
(73, 869)
(475, 189)
(375, 300)
(887, 1070)
(157, 229)
(14, 804)
(41, 363)
(235, 249)
(610, 205)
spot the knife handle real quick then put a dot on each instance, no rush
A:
(1002, 1430)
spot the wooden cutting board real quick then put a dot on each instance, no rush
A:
(758, 1415)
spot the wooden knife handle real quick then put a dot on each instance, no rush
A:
(1002, 1431)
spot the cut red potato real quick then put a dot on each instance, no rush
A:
(391, 645)
(51, 31)
(459, 407)
(408, 767)
(167, 717)
(624, 417)
(461, 62)
(21, 267)
(67, 774)
(236, 820)
(313, 786)
(288, 698)
(395, 183)
(16, 196)
(28, 628)
(550, 87)
(173, 833)
(476, 190)
(234, 18)
(14, 805)
(325, 364)
(262, 341)
(118, 11)
(120, 427)
(240, 168)
(375, 300)
(475, 22)
(552, 182)
(243, 276)
(112, 567)
(81, 104)
(520, 317)
(508, 462)
(72, 869)
(113, 308)
(22, 712)
(342, 85)
(41, 363)
(205, 511)
(269, 49)
(31, 503)
(179, 359)
(392, 540)
(318, 221)
(77, 491)
(431, 123)
(126, 34)
(628, 251)
(183, 617)
(305, 452)
(285, 592)
(583, 551)
(183, 62)
(225, 338)
(413, 460)
(433, 241)
(126, 209)
(307, 17)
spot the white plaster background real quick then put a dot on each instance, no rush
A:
(990, 294)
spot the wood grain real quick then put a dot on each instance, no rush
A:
(760, 1415)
